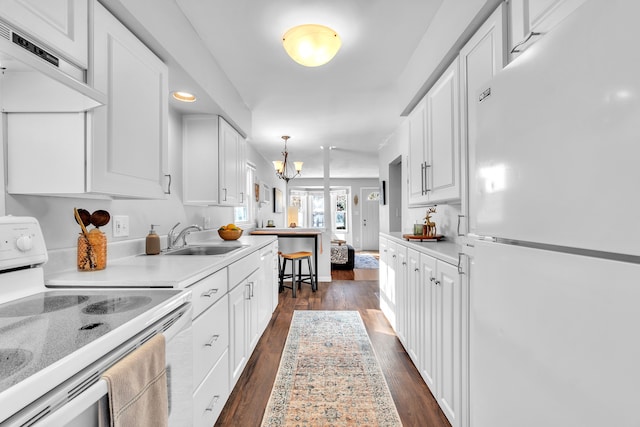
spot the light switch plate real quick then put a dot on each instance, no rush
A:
(120, 225)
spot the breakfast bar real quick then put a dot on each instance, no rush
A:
(315, 233)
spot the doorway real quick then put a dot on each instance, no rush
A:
(370, 218)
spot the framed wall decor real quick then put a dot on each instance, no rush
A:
(278, 201)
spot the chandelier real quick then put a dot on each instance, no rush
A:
(311, 45)
(284, 169)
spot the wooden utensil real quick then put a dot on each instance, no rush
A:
(100, 218)
(79, 221)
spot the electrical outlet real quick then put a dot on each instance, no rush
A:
(120, 225)
(206, 222)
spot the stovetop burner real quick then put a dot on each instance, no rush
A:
(116, 305)
(39, 304)
(12, 360)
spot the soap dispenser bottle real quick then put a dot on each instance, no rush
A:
(153, 242)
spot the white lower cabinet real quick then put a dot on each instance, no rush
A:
(210, 397)
(232, 307)
(430, 316)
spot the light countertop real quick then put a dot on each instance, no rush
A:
(176, 271)
(444, 250)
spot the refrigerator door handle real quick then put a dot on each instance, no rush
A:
(516, 48)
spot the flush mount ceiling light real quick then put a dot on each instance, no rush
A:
(184, 96)
(311, 45)
(284, 169)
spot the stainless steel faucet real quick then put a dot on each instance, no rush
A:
(173, 239)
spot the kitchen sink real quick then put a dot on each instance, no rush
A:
(204, 250)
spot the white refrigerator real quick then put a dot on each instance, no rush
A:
(555, 230)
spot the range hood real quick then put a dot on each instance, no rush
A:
(35, 79)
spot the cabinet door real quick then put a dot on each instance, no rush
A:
(449, 382)
(480, 59)
(200, 159)
(428, 327)
(264, 289)
(254, 290)
(535, 16)
(417, 153)
(388, 299)
(238, 331)
(443, 136)
(61, 24)
(414, 310)
(241, 173)
(128, 142)
(401, 293)
(229, 163)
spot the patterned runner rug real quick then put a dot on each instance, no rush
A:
(329, 376)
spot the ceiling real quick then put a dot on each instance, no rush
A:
(351, 103)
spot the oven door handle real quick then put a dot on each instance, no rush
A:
(76, 406)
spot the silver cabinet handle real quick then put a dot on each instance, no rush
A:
(416, 269)
(224, 199)
(422, 175)
(516, 48)
(426, 181)
(248, 285)
(213, 339)
(458, 227)
(212, 404)
(209, 293)
(460, 255)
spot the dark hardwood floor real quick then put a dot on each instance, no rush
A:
(415, 404)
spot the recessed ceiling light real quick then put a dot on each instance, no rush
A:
(184, 96)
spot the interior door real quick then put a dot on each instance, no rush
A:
(370, 226)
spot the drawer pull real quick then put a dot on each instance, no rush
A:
(212, 340)
(209, 293)
(213, 403)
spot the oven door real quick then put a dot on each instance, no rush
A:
(87, 408)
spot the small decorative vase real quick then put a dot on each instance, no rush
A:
(92, 251)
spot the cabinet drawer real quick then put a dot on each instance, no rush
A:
(208, 290)
(210, 338)
(210, 397)
(242, 268)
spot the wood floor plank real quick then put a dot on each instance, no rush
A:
(415, 403)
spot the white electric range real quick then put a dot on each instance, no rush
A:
(55, 344)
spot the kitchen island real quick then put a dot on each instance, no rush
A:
(314, 233)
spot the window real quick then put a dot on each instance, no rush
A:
(310, 204)
(246, 213)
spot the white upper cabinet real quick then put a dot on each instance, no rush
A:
(232, 165)
(200, 159)
(532, 19)
(417, 153)
(443, 138)
(481, 58)
(60, 24)
(434, 143)
(127, 141)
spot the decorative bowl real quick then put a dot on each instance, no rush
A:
(230, 234)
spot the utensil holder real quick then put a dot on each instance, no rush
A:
(92, 251)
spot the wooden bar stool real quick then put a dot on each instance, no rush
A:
(302, 278)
